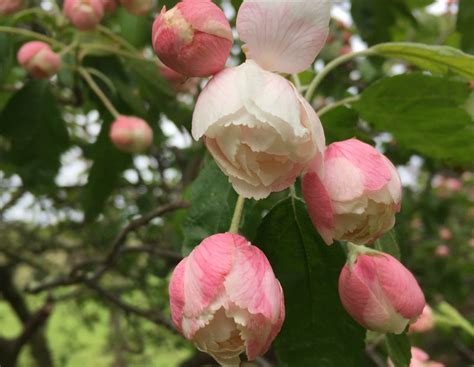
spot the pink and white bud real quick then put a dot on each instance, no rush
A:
(258, 128)
(283, 36)
(380, 293)
(355, 196)
(8, 7)
(425, 322)
(137, 7)
(445, 234)
(442, 251)
(225, 299)
(419, 358)
(38, 59)
(194, 38)
(84, 14)
(131, 134)
(179, 82)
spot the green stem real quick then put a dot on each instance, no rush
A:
(31, 34)
(239, 206)
(116, 38)
(92, 84)
(342, 102)
(296, 81)
(26, 12)
(116, 51)
(332, 65)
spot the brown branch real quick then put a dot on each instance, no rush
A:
(153, 316)
(115, 250)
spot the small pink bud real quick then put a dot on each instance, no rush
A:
(8, 7)
(38, 59)
(137, 7)
(419, 358)
(424, 323)
(445, 234)
(179, 82)
(471, 242)
(225, 298)
(131, 134)
(442, 251)
(84, 14)
(355, 195)
(193, 38)
(380, 293)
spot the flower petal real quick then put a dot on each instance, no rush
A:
(283, 36)
(210, 107)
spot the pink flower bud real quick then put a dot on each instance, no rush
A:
(8, 7)
(445, 234)
(137, 7)
(424, 323)
(380, 293)
(84, 14)
(38, 59)
(179, 82)
(225, 299)
(194, 38)
(356, 194)
(442, 251)
(131, 134)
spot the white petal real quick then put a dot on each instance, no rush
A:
(283, 36)
(219, 100)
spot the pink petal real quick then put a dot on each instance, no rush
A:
(319, 205)
(343, 179)
(400, 286)
(251, 285)
(176, 292)
(283, 36)
(373, 165)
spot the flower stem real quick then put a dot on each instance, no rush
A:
(239, 206)
(342, 102)
(332, 65)
(93, 85)
(106, 31)
(31, 34)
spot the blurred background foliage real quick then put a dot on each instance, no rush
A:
(89, 235)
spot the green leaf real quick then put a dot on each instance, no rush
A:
(375, 18)
(437, 59)
(7, 58)
(213, 200)
(465, 24)
(32, 123)
(108, 165)
(424, 113)
(398, 347)
(342, 123)
(134, 29)
(317, 330)
(388, 243)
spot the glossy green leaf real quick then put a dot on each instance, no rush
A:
(437, 59)
(415, 105)
(465, 25)
(213, 200)
(32, 123)
(398, 347)
(317, 331)
(388, 243)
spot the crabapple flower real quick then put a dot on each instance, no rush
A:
(225, 298)
(137, 7)
(283, 36)
(425, 322)
(131, 134)
(380, 293)
(8, 7)
(193, 38)
(355, 196)
(38, 59)
(258, 128)
(84, 14)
